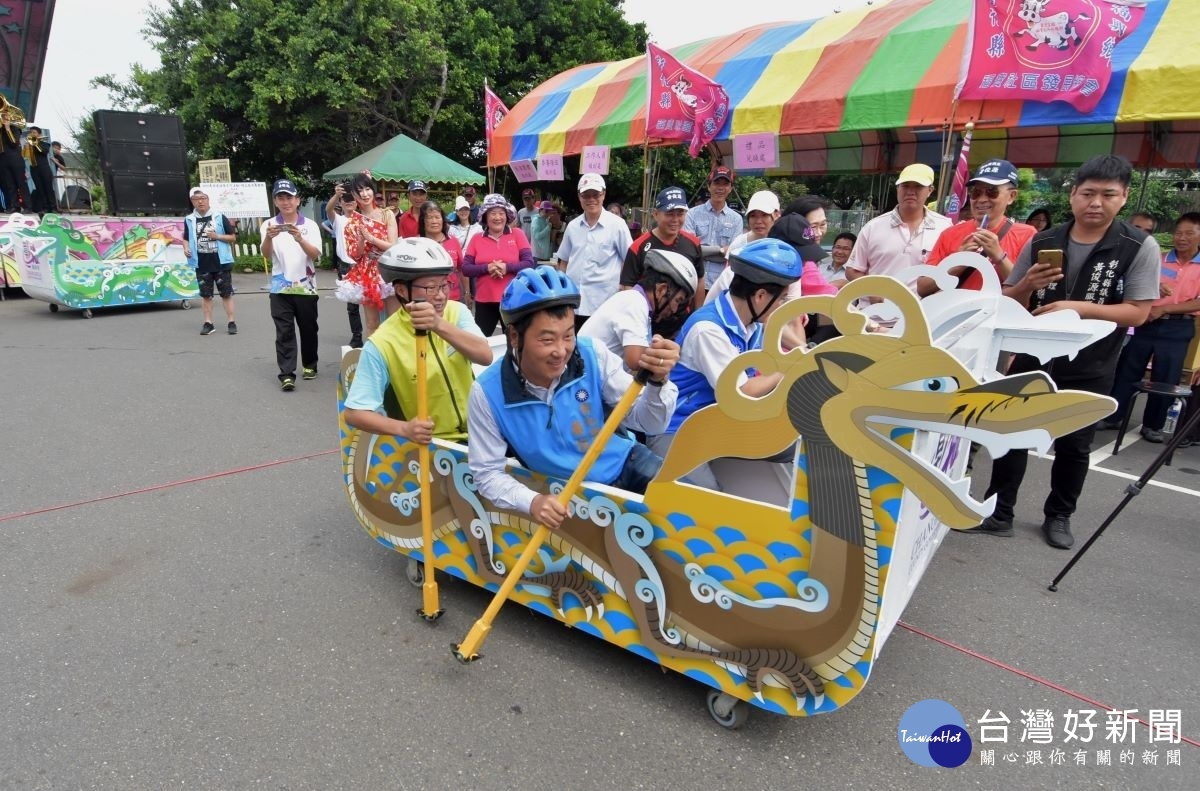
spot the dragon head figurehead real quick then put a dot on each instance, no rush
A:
(863, 393)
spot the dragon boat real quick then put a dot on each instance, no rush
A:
(780, 591)
(91, 263)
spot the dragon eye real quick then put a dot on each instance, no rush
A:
(937, 384)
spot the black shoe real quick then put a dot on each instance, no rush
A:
(1110, 424)
(355, 341)
(1187, 443)
(207, 329)
(1057, 530)
(231, 328)
(991, 527)
(1152, 435)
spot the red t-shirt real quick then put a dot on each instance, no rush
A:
(408, 224)
(951, 239)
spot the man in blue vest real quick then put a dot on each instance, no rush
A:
(724, 328)
(208, 244)
(547, 398)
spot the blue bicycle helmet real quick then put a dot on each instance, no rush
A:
(537, 289)
(768, 261)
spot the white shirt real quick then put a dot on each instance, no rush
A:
(594, 256)
(885, 245)
(340, 221)
(487, 448)
(288, 259)
(623, 320)
(707, 350)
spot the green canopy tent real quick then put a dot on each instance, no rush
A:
(402, 159)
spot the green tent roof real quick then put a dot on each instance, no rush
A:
(403, 159)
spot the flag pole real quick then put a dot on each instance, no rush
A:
(646, 175)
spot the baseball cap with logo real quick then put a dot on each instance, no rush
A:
(916, 173)
(671, 198)
(469, 192)
(461, 203)
(546, 206)
(591, 181)
(721, 172)
(996, 172)
(284, 186)
(528, 193)
(416, 185)
(196, 191)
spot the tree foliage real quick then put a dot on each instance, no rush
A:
(297, 87)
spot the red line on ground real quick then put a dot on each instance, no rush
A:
(1029, 676)
(157, 486)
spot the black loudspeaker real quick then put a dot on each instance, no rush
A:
(144, 161)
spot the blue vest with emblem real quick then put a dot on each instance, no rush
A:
(553, 438)
(694, 390)
(224, 249)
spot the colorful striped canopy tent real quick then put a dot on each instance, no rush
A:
(864, 91)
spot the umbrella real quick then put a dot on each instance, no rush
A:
(864, 90)
(403, 159)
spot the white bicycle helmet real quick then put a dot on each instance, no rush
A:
(675, 266)
(414, 257)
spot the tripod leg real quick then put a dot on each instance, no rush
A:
(1131, 491)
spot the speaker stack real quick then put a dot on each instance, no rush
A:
(144, 162)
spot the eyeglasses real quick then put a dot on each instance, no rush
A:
(443, 288)
(979, 190)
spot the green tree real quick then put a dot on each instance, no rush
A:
(296, 87)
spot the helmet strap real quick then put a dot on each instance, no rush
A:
(754, 316)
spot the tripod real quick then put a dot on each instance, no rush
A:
(1133, 490)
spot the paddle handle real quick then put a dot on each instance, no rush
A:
(431, 609)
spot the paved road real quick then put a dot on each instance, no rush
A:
(188, 602)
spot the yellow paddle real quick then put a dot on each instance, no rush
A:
(468, 649)
(429, 590)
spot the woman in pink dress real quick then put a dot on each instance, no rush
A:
(494, 257)
(431, 223)
(369, 231)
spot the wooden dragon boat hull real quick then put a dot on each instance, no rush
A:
(784, 604)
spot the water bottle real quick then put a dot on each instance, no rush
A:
(1173, 416)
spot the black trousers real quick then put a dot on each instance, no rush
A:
(292, 311)
(352, 311)
(12, 180)
(44, 199)
(1067, 473)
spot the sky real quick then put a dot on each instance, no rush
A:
(90, 38)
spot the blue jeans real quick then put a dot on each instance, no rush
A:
(1166, 342)
(641, 465)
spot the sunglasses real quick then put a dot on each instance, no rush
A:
(980, 190)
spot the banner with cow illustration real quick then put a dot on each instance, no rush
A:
(1046, 50)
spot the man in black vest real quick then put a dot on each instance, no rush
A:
(1110, 271)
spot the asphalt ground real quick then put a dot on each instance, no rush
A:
(187, 601)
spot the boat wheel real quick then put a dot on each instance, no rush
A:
(185, 304)
(87, 313)
(728, 711)
(53, 308)
(415, 571)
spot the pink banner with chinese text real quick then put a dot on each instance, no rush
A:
(684, 104)
(1046, 50)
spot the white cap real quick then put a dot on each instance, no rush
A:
(591, 181)
(764, 201)
(461, 203)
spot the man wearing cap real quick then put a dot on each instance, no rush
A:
(670, 209)
(416, 197)
(292, 243)
(593, 248)
(992, 234)
(526, 213)
(714, 222)
(903, 237)
(208, 239)
(469, 194)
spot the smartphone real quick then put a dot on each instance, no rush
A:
(1052, 257)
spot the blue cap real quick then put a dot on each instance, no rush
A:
(996, 172)
(285, 186)
(415, 185)
(671, 198)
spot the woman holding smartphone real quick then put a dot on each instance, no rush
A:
(369, 232)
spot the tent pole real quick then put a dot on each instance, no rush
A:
(947, 147)
(646, 174)
(1141, 204)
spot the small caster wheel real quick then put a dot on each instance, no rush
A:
(87, 313)
(728, 711)
(415, 571)
(185, 304)
(53, 308)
